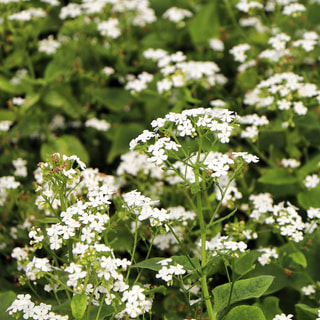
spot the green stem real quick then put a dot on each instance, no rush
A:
(100, 307)
(146, 258)
(184, 250)
(185, 293)
(134, 247)
(223, 194)
(203, 230)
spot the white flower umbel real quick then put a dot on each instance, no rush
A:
(49, 45)
(100, 125)
(29, 310)
(176, 15)
(169, 269)
(225, 245)
(283, 316)
(308, 290)
(267, 254)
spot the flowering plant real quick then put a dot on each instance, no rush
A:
(159, 159)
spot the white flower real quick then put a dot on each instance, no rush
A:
(176, 15)
(299, 108)
(164, 85)
(71, 10)
(216, 44)
(283, 317)
(5, 125)
(100, 125)
(313, 213)
(268, 253)
(290, 163)
(108, 71)
(311, 181)
(293, 9)
(18, 101)
(110, 28)
(20, 166)
(27, 15)
(308, 290)
(49, 45)
(245, 6)
(155, 54)
(239, 52)
(284, 104)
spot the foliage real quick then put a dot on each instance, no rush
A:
(159, 159)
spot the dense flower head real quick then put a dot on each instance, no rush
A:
(282, 217)
(7, 183)
(25, 306)
(284, 91)
(135, 12)
(143, 207)
(225, 245)
(49, 45)
(169, 269)
(176, 14)
(176, 71)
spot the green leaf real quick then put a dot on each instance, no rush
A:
(312, 255)
(79, 305)
(245, 263)
(205, 24)
(247, 80)
(272, 139)
(311, 166)
(105, 312)
(242, 290)
(46, 220)
(7, 115)
(123, 134)
(299, 258)
(7, 86)
(61, 64)
(6, 299)
(309, 198)
(151, 264)
(15, 60)
(270, 307)
(305, 312)
(31, 99)
(245, 312)
(278, 176)
(115, 99)
(68, 145)
(62, 98)
(184, 261)
(158, 289)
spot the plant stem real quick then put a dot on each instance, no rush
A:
(203, 279)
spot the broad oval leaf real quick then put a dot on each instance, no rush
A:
(242, 290)
(309, 198)
(79, 305)
(278, 176)
(245, 312)
(199, 28)
(66, 144)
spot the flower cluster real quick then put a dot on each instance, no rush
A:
(285, 91)
(283, 217)
(88, 265)
(23, 305)
(176, 72)
(143, 207)
(225, 245)
(7, 183)
(168, 270)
